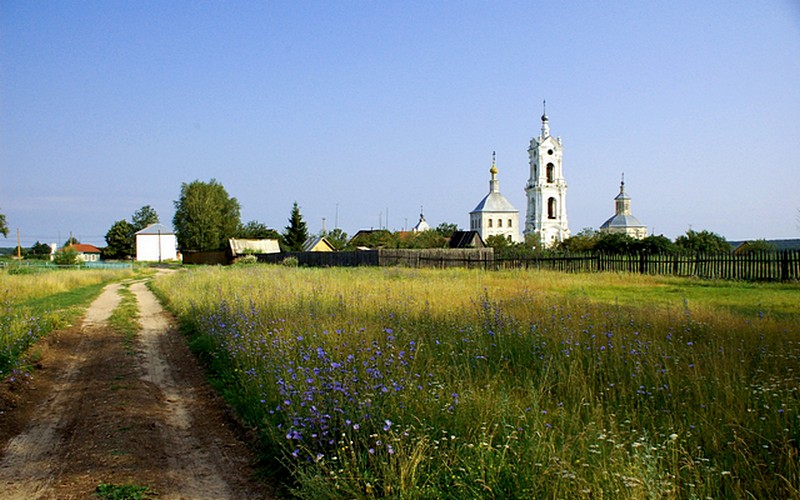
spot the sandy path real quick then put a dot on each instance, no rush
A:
(26, 470)
(101, 411)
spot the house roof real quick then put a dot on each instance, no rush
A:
(84, 248)
(240, 246)
(312, 243)
(494, 202)
(156, 228)
(466, 239)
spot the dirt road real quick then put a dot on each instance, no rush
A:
(100, 411)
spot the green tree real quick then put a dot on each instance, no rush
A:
(614, 243)
(336, 237)
(120, 241)
(255, 230)
(379, 238)
(144, 217)
(39, 251)
(446, 229)
(296, 233)
(702, 242)
(498, 242)
(3, 225)
(757, 246)
(71, 241)
(67, 256)
(425, 239)
(654, 245)
(205, 216)
(583, 241)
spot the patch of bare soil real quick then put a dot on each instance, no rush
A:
(98, 411)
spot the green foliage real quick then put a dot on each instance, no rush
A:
(144, 217)
(757, 246)
(446, 229)
(255, 230)
(296, 233)
(107, 491)
(205, 216)
(583, 241)
(67, 256)
(3, 225)
(289, 262)
(71, 241)
(39, 251)
(124, 318)
(655, 245)
(423, 239)
(336, 237)
(498, 242)
(120, 241)
(379, 238)
(702, 242)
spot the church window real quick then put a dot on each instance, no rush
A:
(551, 208)
(499, 222)
(490, 222)
(549, 151)
(551, 172)
(509, 222)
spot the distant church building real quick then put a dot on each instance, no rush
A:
(422, 225)
(546, 189)
(622, 221)
(495, 215)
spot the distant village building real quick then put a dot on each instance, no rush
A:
(623, 222)
(546, 189)
(240, 246)
(466, 239)
(156, 243)
(86, 253)
(318, 244)
(495, 215)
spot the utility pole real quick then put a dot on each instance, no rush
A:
(19, 247)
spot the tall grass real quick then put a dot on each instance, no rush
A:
(31, 305)
(466, 384)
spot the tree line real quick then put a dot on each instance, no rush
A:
(206, 216)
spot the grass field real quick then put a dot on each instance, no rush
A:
(31, 305)
(408, 383)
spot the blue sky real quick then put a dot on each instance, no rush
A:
(364, 111)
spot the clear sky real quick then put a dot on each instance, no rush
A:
(364, 111)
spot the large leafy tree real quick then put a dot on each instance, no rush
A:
(144, 217)
(3, 225)
(702, 242)
(119, 241)
(446, 229)
(205, 216)
(296, 233)
(39, 251)
(255, 230)
(336, 237)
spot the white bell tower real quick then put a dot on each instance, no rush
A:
(546, 189)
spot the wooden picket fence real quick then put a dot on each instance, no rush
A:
(755, 266)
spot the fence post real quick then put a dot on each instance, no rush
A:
(785, 265)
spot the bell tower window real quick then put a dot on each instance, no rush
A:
(551, 172)
(551, 208)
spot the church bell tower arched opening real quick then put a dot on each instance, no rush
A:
(546, 190)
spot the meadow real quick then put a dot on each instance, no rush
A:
(33, 304)
(409, 383)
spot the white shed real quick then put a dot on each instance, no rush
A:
(156, 242)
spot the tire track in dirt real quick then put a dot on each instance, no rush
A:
(103, 410)
(27, 470)
(192, 467)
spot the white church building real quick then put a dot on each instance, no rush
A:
(495, 215)
(546, 189)
(623, 222)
